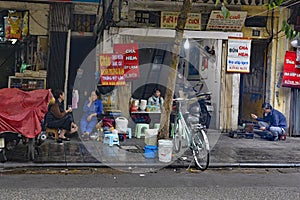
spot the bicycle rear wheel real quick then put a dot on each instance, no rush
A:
(201, 150)
(178, 136)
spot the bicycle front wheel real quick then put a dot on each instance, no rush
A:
(201, 150)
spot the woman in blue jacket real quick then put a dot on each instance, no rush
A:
(92, 107)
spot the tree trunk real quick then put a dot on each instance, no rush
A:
(167, 107)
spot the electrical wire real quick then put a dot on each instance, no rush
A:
(37, 22)
(278, 7)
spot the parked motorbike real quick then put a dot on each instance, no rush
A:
(10, 140)
(200, 110)
(20, 119)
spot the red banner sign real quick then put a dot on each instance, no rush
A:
(111, 69)
(131, 59)
(291, 74)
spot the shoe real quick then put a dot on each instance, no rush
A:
(267, 137)
(264, 137)
(65, 139)
(59, 140)
(275, 138)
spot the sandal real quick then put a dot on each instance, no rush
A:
(86, 136)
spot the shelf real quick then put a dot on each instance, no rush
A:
(27, 83)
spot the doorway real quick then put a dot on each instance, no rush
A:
(252, 85)
(7, 63)
(80, 48)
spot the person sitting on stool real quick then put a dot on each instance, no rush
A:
(273, 121)
(92, 107)
(59, 118)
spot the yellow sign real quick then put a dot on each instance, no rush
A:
(105, 60)
(169, 20)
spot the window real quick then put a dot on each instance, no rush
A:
(147, 17)
(83, 23)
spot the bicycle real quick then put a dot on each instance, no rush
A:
(194, 135)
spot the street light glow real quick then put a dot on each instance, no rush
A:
(186, 44)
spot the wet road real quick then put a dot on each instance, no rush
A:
(104, 183)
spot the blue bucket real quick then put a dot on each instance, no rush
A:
(150, 151)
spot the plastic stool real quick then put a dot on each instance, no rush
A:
(282, 137)
(128, 133)
(140, 130)
(111, 139)
(156, 126)
(54, 131)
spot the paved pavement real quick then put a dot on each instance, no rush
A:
(129, 155)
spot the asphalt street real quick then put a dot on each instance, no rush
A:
(165, 184)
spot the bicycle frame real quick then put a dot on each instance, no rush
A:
(195, 136)
(186, 131)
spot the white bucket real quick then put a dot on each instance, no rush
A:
(151, 137)
(121, 124)
(165, 150)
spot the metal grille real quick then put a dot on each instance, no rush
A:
(295, 112)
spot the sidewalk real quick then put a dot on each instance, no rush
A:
(225, 152)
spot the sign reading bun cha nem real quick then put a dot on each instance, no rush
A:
(234, 22)
(169, 20)
(130, 53)
(111, 69)
(238, 55)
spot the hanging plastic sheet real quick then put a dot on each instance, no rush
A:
(22, 112)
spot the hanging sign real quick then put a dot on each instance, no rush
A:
(291, 74)
(111, 69)
(13, 26)
(130, 53)
(234, 22)
(169, 20)
(238, 59)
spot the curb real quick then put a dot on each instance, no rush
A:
(147, 165)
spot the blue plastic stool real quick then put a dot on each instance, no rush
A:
(111, 139)
(140, 130)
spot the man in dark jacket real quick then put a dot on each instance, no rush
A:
(273, 121)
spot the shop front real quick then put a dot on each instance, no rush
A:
(202, 63)
(26, 39)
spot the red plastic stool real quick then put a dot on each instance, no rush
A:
(282, 137)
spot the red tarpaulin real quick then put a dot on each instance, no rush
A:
(22, 111)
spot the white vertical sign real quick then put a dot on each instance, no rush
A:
(238, 59)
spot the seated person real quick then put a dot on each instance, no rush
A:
(92, 108)
(156, 99)
(58, 117)
(273, 121)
